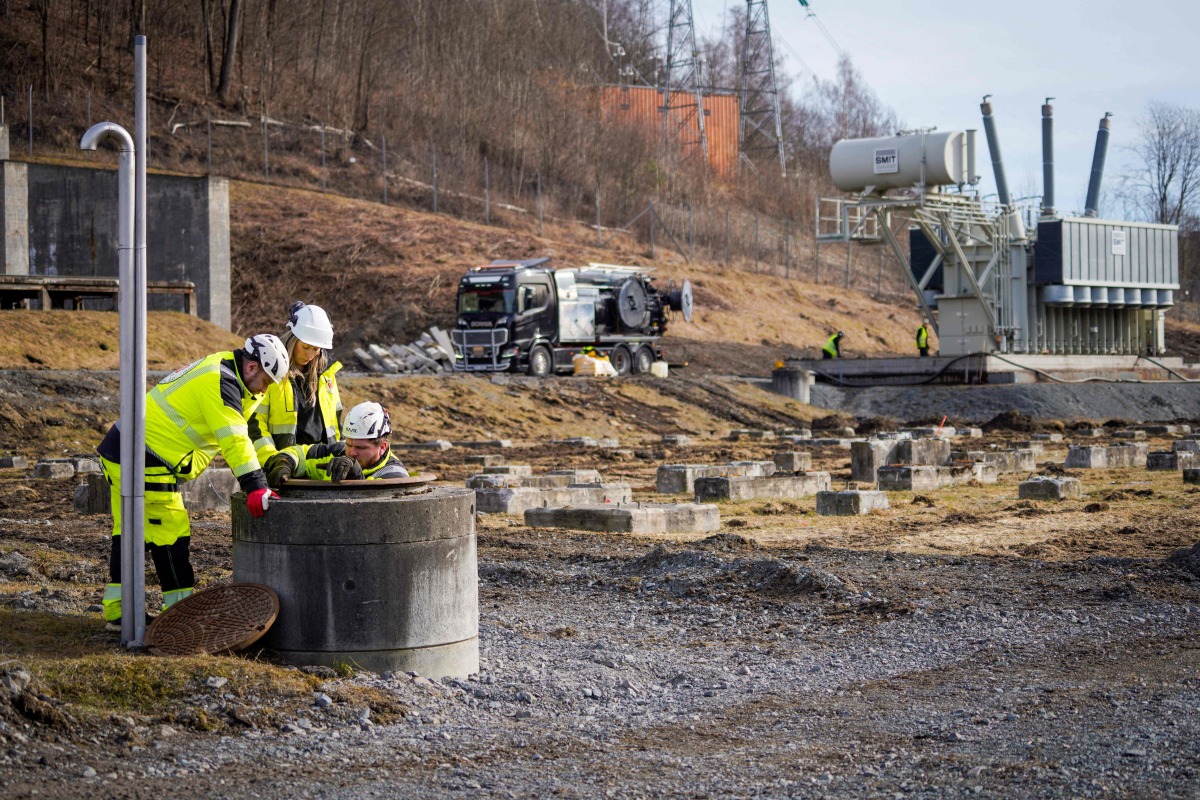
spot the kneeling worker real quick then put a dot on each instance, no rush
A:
(192, 415)
(365, 453)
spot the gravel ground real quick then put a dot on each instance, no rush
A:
(616, 667)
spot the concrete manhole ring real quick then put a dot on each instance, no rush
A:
(222, 619)
(414, 484)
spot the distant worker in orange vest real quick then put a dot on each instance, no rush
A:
(833, 346)
(923, 340)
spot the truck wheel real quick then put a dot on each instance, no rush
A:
(621, 359)
(642, 360)
(540, 362)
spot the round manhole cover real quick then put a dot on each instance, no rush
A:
(217, 620)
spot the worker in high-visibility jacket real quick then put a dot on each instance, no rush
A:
(366, 453)
(833, 346)
(192, 415)
(923, 340)
(307, 407)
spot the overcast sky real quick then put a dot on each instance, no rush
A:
(933, 60)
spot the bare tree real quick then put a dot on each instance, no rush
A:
(232, 28)
(1165, 183)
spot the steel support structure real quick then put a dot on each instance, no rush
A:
(760, 132)
(683, 102)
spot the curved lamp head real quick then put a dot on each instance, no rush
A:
(98, 131)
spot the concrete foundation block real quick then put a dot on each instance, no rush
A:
(1128, 455)
(1163, 430)
(850, 503)
(54, 469)
(85, 465)
(922, 452)
(574, 476)
(867, 457)
(676, 440)
(1186, 446)
(1037, 448)
(1191, 475)
(1086, 456)
(93, 497)
(891, 435)
(1170, 460)
(508, 469)
(519, 499)
(792, 462)
(973, 433)
(1043, 488)
(681, 478)
(645, 518)
(1129, 435)
(803, 433)
(776, 487)
(486, 460)
(435, 444)
(744, 433)
(14, 462)
(484, 445)
(844, 444)
(1047, 437)
(906, 478)
(211, 491)
(945, 432)
(1088, 433)
(578, 441)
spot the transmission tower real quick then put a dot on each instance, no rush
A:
(683, 105)
(760, 132)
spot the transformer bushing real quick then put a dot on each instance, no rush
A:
(370, 576)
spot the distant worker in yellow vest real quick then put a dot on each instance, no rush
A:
(366, 454)
(833, 346)
(307, 407)
(192, 415)
(923, 340)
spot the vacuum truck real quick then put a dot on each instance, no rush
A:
(526, 316)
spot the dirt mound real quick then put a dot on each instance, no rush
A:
(1187, 559)
(728, 543)
(772, 576)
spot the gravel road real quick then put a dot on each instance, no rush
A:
(616, 667)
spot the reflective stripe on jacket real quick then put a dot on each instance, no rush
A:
(311, 461)
(201, 410)
(274, 423)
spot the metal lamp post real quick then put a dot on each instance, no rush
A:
(131, 307)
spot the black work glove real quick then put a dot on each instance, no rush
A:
(344, 468)
(279, 469)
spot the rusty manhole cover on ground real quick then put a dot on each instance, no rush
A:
(217, 620)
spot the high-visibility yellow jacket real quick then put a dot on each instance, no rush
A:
(831, 346)
(312, 461)
(922, 338)
(196, 412)
(273, 426)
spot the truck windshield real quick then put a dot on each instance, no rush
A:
(495, 300)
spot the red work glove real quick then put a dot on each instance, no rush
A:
(258, 500)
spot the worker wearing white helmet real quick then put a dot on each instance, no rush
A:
(192, 415)
(307, 407)
(366, 454)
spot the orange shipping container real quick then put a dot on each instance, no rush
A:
(641, 106)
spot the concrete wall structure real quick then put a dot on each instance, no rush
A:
(62, 220)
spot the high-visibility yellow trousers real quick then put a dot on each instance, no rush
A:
(167, 532)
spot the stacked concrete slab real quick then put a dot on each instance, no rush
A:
(1019, 460)
(1186, 446)
(792, 461)
(1098, 457)
(681, 478)
(867, 457)
(630, 518)
(909, 478)
(521, 475)
(519, 499)
(776, 487)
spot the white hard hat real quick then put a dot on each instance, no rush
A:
(367, 421)
(269, 352)
(310, 324)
